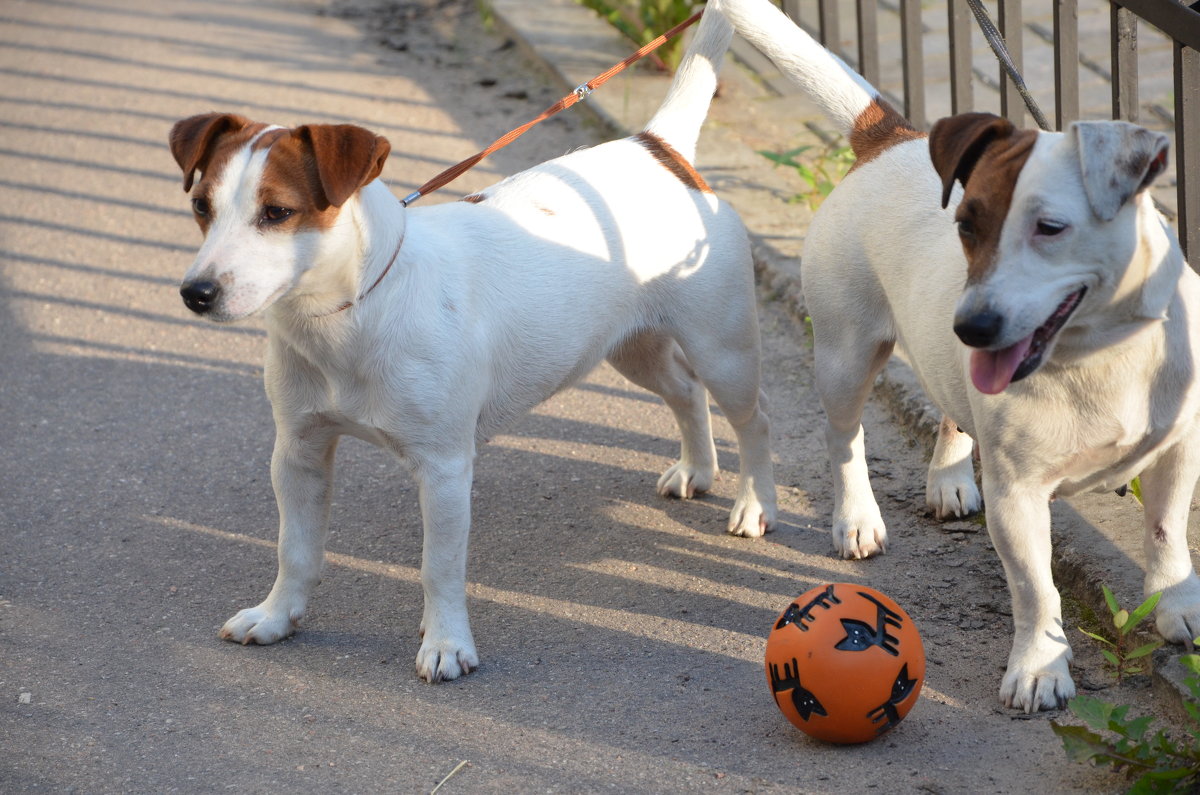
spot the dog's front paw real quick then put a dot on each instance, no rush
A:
(860, 536)
(948, 495)
(751, 517)
(446, 659)
(685, 481)
(1038, 676)
(261, 624)
(1178, 613)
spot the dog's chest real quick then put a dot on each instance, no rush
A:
(1115, 442)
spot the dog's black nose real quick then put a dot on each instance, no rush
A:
(979, 329)
(200, 296)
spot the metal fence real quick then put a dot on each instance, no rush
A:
(858, 29)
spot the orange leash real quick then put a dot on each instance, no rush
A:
(580, 93)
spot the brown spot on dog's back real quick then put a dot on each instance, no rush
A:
(672, 161)
(878, 128)
(987, 199)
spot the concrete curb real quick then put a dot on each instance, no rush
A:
(573, 45)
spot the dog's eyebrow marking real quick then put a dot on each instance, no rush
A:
(474, 198)
(878, 128)
(672, 161)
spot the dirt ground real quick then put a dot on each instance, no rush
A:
(622, 634)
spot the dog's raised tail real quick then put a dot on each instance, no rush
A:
(679, 118)
(845, 96)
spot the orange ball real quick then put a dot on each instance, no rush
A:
(845, 663)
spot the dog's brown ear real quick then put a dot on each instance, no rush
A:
(347, 157)
(192, 140)
(956, 143)
(1118, 160)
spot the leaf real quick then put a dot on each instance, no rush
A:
(1120, 619)
(1143, 610)
(1136, 729)
(1080, 744)
(1111, 600)
(1142, 651)
(1135, 488)
(1094, 636)
(1112, 658)
(1092, 711)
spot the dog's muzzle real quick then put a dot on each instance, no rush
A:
(201, 296)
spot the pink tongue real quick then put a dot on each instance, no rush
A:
(992, 371)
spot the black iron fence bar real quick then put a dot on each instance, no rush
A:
(1170, 16)
(867, 13)
(914, 64)
(961, 23)
(827, 16)
(1012, 107)
(1187, 148)
(1123, 40)
(1066, 62)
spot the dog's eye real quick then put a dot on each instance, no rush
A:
(1050, 228)
(966, 229)
(200, 206)
(273, 215)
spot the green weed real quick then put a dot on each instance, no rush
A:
(821, 170)
(1118, 654)
(642, 21)
(1155, 763)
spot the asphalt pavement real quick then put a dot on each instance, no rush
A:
(621, 634)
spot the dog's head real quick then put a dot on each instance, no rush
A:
(1048, 223)
(267, 201)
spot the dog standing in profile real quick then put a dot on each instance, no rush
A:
(426, 331)
(1045, 308)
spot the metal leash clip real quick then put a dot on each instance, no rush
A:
(582, 91)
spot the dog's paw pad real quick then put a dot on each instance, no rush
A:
(684, 481)
(1031, 692)
(855, 540)
(1177, 616)
(750, 518)
(260, 626)
(1040, 676)
(953, 499)
(442, 662)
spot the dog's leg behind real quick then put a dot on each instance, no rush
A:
(950, 488)
(1167, 488)
(302, 474)
(847, 358)
(656, 362)
(726, 358)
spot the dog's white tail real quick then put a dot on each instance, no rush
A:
(849, 101)
(681, 114)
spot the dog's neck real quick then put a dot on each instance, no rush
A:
(348, 258)
(1147, 292)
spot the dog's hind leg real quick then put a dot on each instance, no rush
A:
(656, 362)
(726, 359)
(1167, 489)
(846, 363)
(950, 488)
(302, 474)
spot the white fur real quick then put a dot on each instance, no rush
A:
(489, 309)
(1115, 397)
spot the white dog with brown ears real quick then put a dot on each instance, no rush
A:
(1046, 309)
(426, 331)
